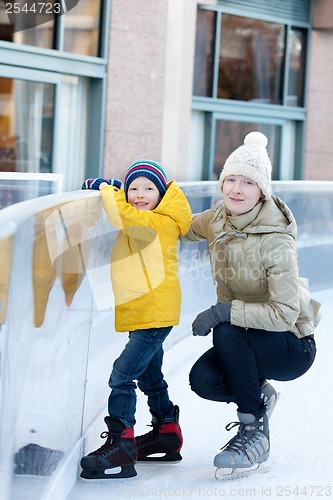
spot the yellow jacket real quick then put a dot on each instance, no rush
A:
(144, 260)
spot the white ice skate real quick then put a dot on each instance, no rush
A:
(247, 451)
(269, 396)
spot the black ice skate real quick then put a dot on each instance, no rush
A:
(163, 443)
(119, 451)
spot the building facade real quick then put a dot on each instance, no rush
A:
(96, 85)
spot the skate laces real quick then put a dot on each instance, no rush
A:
(149, 437)
(246, 436)
(108, 446)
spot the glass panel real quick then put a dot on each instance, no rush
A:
(251, 60)
(26, 126)
(204, 53)
(44, 384)
(72, 102)
(230, 135)
(10, 24)
(296, 67)
(82, 28)
(54, 376)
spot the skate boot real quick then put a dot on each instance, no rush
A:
(119, 451)
(163, 443)
(247, 450)
(270, 397)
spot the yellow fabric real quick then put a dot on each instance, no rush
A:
(61, 248)
(6, 246)
(144, 261)
(44, 274)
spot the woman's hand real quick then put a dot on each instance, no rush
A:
(208, 319)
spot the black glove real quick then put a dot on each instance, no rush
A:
(93, 183)
(208, 319)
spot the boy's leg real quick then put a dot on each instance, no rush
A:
(129, 366)
(165, 441)
(120, 449)
(152, 383)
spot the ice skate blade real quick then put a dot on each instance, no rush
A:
(226, 474)
(123, 471)
(171, 457)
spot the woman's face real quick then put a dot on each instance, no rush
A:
(240, 194)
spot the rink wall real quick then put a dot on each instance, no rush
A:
(57, 340)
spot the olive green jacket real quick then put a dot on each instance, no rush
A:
(254, 264)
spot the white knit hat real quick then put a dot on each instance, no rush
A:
(251, 160)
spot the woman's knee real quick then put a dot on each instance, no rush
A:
(206, 378)
(196, 379)
(226, 333)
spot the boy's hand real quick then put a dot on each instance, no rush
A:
(93, 183)
(116, 183)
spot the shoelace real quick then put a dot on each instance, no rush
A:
(109, 445)
(245, 434)
(148, 437)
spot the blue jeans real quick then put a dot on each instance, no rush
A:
(140, 360)
(232, 370)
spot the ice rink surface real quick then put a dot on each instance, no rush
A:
(301, 458)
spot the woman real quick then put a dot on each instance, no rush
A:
(264, 318)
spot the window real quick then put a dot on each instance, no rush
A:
(249, 74)
(250, 60)
(26, 126)
(204, 53)
(52, 88)
(295, 95)
(230, 135)
(33, 122)
(51, 26)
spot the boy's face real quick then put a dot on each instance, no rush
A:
(143, 194)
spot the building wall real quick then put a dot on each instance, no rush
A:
(149, 92)
(136, 82)
(149, 87)
(319, 137)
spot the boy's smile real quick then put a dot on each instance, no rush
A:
(143, 194)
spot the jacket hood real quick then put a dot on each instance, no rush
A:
(175, 205)
(271, 216)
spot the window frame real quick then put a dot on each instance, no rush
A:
(27, 62)
(244, 111)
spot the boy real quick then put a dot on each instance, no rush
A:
(150, 215)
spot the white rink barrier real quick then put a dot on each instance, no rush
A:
(57, 340)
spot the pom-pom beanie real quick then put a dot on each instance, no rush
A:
(251, 160)
(150, 169)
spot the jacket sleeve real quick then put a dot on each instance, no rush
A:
(120, 213)
(199, 227)
(281, 309)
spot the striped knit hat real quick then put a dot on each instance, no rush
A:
(150, 169)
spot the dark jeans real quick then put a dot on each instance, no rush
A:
(232, 370)
(140, 360)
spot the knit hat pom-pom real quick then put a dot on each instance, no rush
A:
(256, 138)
